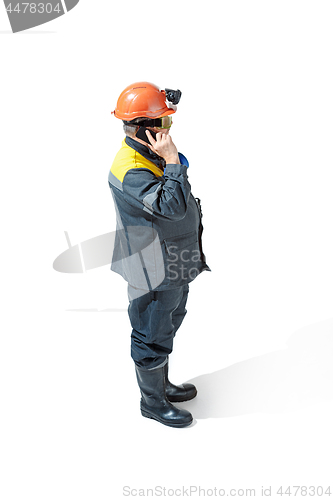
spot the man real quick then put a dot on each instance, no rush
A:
(158, 242)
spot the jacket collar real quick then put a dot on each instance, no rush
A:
(145, 152)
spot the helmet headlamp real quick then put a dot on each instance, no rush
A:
(173, 95)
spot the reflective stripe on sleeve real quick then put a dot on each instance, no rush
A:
(151, 197)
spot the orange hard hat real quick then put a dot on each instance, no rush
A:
(143, 99)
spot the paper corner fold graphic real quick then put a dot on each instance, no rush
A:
(143, 256)
(70, 4)
(26, 15)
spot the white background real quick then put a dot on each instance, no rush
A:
(255, 122)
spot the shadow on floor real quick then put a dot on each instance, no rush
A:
(277, 382)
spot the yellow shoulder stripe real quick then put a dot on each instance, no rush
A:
(127, 158)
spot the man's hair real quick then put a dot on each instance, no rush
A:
(129, 129)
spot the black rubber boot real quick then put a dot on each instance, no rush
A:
(178, 393)
(154, 403)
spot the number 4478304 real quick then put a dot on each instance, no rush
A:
(33, 8)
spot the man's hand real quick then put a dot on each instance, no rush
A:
(163, 146)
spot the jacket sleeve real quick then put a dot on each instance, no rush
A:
(164, 197)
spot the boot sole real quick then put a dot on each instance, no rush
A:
(165, 422)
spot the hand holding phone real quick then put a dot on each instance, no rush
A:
(163, 146)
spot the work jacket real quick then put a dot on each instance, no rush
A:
(158, 241)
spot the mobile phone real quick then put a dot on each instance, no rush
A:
(141, 134)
